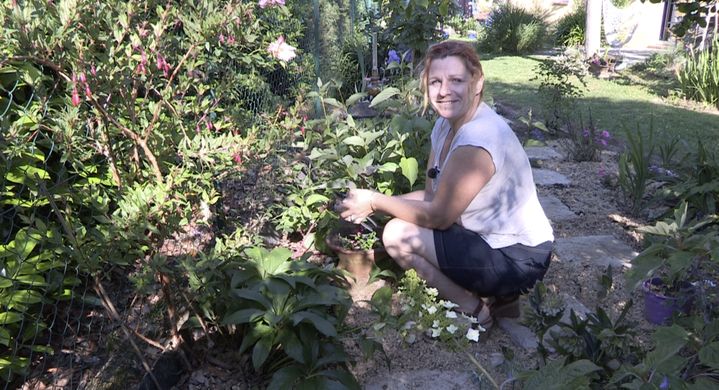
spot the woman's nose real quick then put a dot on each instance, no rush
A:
(444, 89)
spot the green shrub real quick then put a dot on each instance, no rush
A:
(512, 29)
(699, 77)
(570, 28)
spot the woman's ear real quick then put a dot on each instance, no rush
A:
(479, 86)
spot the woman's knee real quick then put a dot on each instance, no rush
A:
(396, 236)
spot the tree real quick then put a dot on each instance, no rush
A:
(592, 31)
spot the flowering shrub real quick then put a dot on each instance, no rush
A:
(425, 313)
(585, 142)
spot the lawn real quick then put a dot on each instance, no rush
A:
(615, 106)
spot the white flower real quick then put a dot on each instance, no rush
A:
(449, 305)
(430, 309)
(435, 332)
(282, 51)
(451, 329)
(450, 314)
(435, 324)
(432, 291)
(473, 334)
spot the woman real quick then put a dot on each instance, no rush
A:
(477, 230)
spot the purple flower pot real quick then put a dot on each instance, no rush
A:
(659, 309)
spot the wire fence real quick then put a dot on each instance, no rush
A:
(59, 324)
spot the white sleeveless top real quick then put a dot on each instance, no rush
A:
(506, 211)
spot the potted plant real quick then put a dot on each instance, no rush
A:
(682, 255)
(358, 247)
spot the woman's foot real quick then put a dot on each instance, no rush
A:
(482, 314)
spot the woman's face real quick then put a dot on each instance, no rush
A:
(448, 85)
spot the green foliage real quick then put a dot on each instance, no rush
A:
(569, 30)
(584, 142)
(462, 25)
(590, 349)
(422, 313)
(559, 78)
(634, 172)
(682, 249)
(290, 314)
(512, 29)
(699, 77)
(412, 23)
(360, 241)
(693, 179)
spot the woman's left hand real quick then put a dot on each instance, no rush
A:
(356, 206)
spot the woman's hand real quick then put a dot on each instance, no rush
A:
(356, 206)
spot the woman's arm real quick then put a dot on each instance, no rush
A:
(467, 171)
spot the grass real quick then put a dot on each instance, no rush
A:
(615, 105)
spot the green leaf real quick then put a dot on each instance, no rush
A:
(293, 346)
(242, 316)
(355, 98)
(261, 351)
(709, 355)
(10, 317)
(321, 324)
(410, 168)
(344, 377)
(253, 295)
(354, 140)
(5, 337)
(316, 198)
(384, 95)
(285, 378)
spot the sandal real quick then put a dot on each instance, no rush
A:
(506, 306)
(488, 322)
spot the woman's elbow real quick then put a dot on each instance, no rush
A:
(440, 221)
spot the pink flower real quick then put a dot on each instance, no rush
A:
(282, 51)
(270, 3)
(237, 157)
(93, 71)
(88, 93)
(75, 97)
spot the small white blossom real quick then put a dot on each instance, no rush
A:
(449, 305)
(473, 334)
(430, 309)
(435, 332)
(450, 314)
(435, 324)
(432, 291)
(451, 329)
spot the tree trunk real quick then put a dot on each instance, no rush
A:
(593, 27)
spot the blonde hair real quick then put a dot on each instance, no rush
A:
(451, 48)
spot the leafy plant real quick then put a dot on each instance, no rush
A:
(360, 241)
(681, 250)
(699, 77)
(584, 143)
(559, 78)
(634, 172)
(569, 30)
(596, 345)
(422, 312)
(290, 313)
(512, 29)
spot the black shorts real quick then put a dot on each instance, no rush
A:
(469, 261)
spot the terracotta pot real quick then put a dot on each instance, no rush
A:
(659, 308)
(359, 263)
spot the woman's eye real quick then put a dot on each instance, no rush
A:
(457, 80)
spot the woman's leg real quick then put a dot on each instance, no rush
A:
(412, 246)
